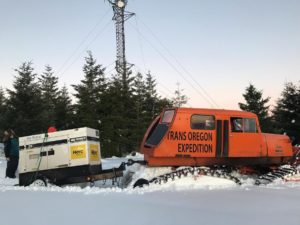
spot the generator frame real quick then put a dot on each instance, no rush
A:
(64, 157)
(68, 176)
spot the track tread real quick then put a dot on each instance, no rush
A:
(223, 173)
(279, 173)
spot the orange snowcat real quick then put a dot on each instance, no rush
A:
(207, 137)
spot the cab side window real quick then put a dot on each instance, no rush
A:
(203, 122)
(250, 125)
(236, 124)
(246, 125)
(168, 116)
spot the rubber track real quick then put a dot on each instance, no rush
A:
(279, 173)
(194, 171)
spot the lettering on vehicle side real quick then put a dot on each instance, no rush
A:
(195, 148)
(192, 136)
(278, 149)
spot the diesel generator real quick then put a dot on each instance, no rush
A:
(63, 157)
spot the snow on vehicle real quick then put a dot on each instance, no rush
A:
(63, 157)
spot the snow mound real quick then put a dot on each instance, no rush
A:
(137, 171)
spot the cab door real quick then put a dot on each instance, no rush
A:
(244, 138)
(222, 140)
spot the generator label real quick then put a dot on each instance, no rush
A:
(78, 151)
(94, 152)
(77, 139)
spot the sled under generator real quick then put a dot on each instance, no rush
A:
(63, 157)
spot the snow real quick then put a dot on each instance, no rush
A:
(190, 200)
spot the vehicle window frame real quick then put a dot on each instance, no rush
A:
(250, 132)
(243, 125)
(162, 118)
(214, 119)
(232, 126)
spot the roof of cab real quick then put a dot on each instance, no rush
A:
(224, 112)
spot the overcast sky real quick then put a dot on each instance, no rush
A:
(213, 48)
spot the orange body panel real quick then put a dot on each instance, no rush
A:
(186, 136)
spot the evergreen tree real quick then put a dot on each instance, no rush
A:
(140, 107)
(2, 98)
(3, 123)
(122, 113)
(163, 103)
(151, 100)
(111, 121)
(50, 92)
(154, 103)
(25, 111)
(287, 112)
(64, 110)
(257, 104)
(147, 105)
(179, 99)
(139, 93)
(89, 92)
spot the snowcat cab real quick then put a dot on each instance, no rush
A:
(205, 137)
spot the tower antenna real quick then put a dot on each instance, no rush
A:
(120, 16)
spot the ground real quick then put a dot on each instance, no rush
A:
(190, 200)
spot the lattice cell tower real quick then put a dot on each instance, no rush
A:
(120, 16)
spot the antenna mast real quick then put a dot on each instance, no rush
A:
(120, 16)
